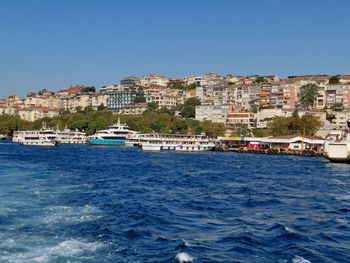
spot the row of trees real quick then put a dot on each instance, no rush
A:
(162, 120)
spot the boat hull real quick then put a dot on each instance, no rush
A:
(106, 142)
(176, 148)
(339, 160)
(38, 143)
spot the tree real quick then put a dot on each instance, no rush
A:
(88, 89)
(152, 106)
(189, 108)
(140, 99)
(307, 125)
(260, 79)
(334, 80)
(101, 107)
(308, 94)
(337, 107)
(188, 111)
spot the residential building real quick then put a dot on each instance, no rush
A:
(240, 119)
(153, 79)
(119, 96)
(265, 116)
(214, 113)
(165, 98)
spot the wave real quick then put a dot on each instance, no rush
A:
(67, 248)
(71, 215)
(299, 259)
(184, 257)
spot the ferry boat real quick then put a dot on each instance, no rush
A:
(116, 134)
(337, 146)
(43, 137)
(172, 142)
(68, 136)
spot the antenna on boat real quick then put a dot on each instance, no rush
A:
(118, 123)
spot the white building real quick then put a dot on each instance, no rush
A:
(265, 116)
(214, 113)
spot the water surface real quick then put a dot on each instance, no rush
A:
(79, 203)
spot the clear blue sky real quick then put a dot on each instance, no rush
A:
(55, 44)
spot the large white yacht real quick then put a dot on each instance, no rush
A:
(116, 134)
(171, 142)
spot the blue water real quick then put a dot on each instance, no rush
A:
(80, 203)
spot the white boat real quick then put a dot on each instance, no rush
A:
(337, 146)
(116, 134)
(172, 142)
(43, 137)
(48, 137)
(68, 136)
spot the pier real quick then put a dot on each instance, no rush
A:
(283, 145)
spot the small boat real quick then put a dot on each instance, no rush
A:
(172, 142)
(337, 146)
(116, 134)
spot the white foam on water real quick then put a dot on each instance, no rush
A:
(183, 257)
(186, 243)
(298, 259)
(67, 248)
(74, 247)
(288, 229)
(69, 214)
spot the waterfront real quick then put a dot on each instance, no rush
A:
(80, 203)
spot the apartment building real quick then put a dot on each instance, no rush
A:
(214, 113)
(118, 96)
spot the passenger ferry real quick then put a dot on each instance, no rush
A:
(43, 137)
(68, 136)
(337, 146)
(48, 137)
(171, 142)
(115, 135)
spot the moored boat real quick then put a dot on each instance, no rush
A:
(172, 142)
(116, 134)
(43, 137)
(337, 146)
(68, 136)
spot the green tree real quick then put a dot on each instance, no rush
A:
(308, 94)
(88, 89)
(260, 80)
(140, 99)
(334, 80)
(152, 106)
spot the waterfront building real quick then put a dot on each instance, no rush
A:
(35, 113)
(235, 120)
(119, 96)
(133, 109)
(265, 116)
(164, 98)
(214, 113)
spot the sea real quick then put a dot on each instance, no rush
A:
(81, 203)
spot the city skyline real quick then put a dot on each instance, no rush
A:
(56, 45)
